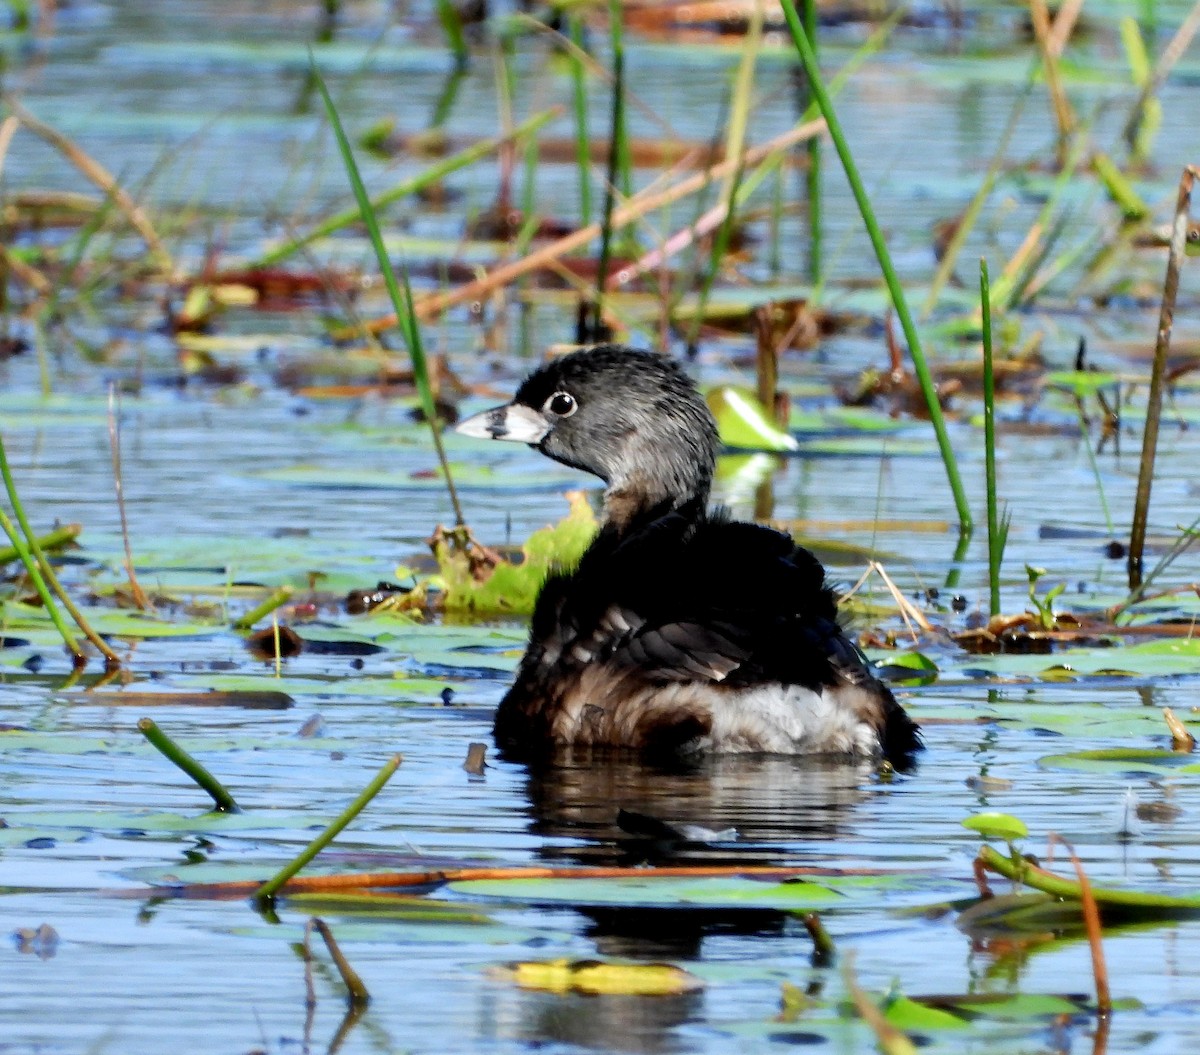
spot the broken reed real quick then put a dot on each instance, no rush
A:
(273, 885)
(1162, 346)
(813, 72)
(223, 801)
(402, 302)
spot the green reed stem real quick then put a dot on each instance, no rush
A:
(452, 25)
(616, 25)
(271, 887)
(975, 208)
(994, 534)
(55, 539)
(402, 302)
(39, 584)
(357, 994)
(583, 156)
(616, 133)
(812, 176)
(276, 600)
(809, 59)
(223, 801)
(47, 577)
(402, 190)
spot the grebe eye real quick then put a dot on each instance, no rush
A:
(561, 404)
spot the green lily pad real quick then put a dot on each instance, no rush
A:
(999, 825)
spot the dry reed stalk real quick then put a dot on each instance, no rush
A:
(8, 129)
(1064, 23)
(1162, 346)
(892, 1041)
(1044, 31)
(432, 305)
(100, 176)
(376, 880)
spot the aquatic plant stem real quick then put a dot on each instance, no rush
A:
(892, 1040)
(579, 99)
(39, 584)
(272, 886)
(275, 600)
(1162, 346)
(408, 187)
(222, 800)
(452, 26)
(995, 545)
(812, 176)
(114, 443)
(357, 994)
(1022, 870)
(1171, 54)
(591, 329)
(41, 571)
(974, 209)
(402, 303)
(55, 539)
(812, 70)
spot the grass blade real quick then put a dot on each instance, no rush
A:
(402, 302)
(809, 60)
(994, 535)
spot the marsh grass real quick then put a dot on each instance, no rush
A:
(1162, 346)
(997, 525)
(899, 300)
(402, 301)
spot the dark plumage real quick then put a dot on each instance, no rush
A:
(680, 630)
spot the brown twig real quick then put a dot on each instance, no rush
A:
(356, 992)
(1162, 346)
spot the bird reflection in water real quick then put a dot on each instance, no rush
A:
(614, 810)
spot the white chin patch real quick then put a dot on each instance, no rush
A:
(511, 422)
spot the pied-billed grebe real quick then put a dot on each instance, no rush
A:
(680, 630)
